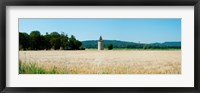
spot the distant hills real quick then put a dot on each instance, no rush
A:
(125, 44)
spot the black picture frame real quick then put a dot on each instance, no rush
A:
(4, 3)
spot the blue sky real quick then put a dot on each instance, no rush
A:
(125, 29)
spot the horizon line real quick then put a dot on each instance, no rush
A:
(133, 41)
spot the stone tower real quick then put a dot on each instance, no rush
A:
(100, 44)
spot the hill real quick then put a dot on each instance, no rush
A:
(126, 44)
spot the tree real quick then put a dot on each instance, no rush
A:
(64, 41)
(42, 43)
(55, 40)
(55, 35)
(23, 41)
(35, 40)
(47, 43)
(110, 46)
(71, 42)
(74, 44)
(77, 45)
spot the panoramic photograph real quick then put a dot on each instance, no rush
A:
(99, 45)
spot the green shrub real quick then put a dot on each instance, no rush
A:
(82, 48)
(110, 46)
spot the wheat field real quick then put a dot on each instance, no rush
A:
(102, 62)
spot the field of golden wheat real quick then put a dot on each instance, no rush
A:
(101, 62)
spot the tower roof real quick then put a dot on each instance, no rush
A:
(100, 38)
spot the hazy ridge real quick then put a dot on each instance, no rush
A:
(125, 44)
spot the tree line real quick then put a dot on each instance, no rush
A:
(132, 45)
(54, 40)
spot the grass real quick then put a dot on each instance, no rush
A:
(34, 68)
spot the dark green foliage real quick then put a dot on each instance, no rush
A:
(34, 40)
(55, 35)
(110, 46)
(172, 44)
(147, 46)
(47, 43)
(74, 44)
(82, 48)
(24, 40)
(55, 43)
(132, 45)
(64, 40)
(54, 40)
